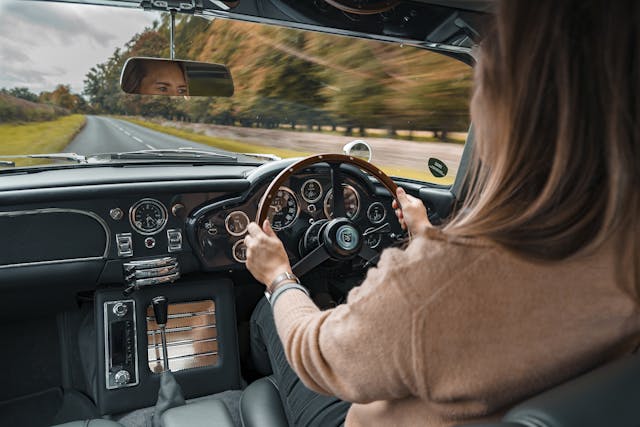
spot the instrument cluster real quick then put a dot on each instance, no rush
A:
(305, 199)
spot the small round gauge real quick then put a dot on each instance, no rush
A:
(236, 223)
(376, 213)
(283, 209)
(372, 240)
(351, 202)
(311, 190)
(239, 251)
(148, 216)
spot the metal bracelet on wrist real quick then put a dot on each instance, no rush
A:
(286, 276)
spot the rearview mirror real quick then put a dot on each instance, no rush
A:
(155, 76)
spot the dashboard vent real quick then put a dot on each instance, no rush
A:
(192, 338)
(149, 272)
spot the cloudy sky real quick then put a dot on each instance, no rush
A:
(43, 44)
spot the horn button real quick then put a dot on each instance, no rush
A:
(342, 238)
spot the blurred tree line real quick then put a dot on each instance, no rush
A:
(290, 78)
(21, 104)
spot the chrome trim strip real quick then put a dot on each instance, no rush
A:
(178, 343)
(209, 353)
(90, 214)
(183, 315)
(182, 329)
(55, 261)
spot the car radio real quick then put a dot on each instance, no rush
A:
(121, 354)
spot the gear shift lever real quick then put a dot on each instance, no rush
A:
(170, 393)
(161, 312)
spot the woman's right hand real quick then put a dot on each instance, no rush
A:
(411, 212)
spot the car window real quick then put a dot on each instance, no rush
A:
(296, 92)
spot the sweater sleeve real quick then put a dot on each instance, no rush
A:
(360, 351)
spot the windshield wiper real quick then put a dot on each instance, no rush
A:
(165, 154)
(53, 156)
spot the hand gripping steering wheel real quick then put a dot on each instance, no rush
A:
(338, 239)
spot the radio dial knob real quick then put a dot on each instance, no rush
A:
(120, 309)
(122, 377)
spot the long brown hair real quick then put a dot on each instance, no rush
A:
(556, 166)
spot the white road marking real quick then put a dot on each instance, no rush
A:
(150, 147)
(137, 139)
(127, 133)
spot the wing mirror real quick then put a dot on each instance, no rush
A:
(156, 76)
(359, 149)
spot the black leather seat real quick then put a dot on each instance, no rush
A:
(98, 422)
(260, 405)
(607, 396)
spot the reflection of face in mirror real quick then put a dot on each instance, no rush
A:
(156, 78)
(164, 78)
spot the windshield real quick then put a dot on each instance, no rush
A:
(296, 92)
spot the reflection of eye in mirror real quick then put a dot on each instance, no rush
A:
(151, 76)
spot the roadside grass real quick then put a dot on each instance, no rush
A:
(221, 143)
(39, 137)
(244, 147)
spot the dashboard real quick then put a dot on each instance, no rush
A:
(77, 229)
(305, 202)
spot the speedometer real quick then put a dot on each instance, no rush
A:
(351, 202)
(283, 209)
(148, 216)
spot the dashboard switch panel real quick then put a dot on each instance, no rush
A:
(124, 242)
(120, 344)
(174, 239)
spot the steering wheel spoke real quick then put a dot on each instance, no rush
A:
(371, 256)
(338, 208)
(311, 261)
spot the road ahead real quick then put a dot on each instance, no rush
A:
(107, 135)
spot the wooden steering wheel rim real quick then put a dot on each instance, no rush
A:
(283, 176)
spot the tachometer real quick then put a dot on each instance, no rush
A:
(148, 216)
(236, 223)
(351, 202)
(283, 209)
(311, 190)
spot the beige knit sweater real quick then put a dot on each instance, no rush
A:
(452, 331)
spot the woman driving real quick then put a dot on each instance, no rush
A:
(534, 280)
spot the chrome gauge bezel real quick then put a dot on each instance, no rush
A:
(325, 206)
(233, 252)
(384, 215)
(292, 194)
(319, 195)
(378, 238)
(158, 228)
(226, 223)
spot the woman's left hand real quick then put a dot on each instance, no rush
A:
(266, 257)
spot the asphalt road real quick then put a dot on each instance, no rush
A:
(108, 135)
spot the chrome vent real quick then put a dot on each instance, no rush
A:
(148, 272)
(192, 338)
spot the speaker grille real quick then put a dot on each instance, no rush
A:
(192, 338)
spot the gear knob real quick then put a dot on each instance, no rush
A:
(160, 309)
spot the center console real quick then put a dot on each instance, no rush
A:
(201, 341)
